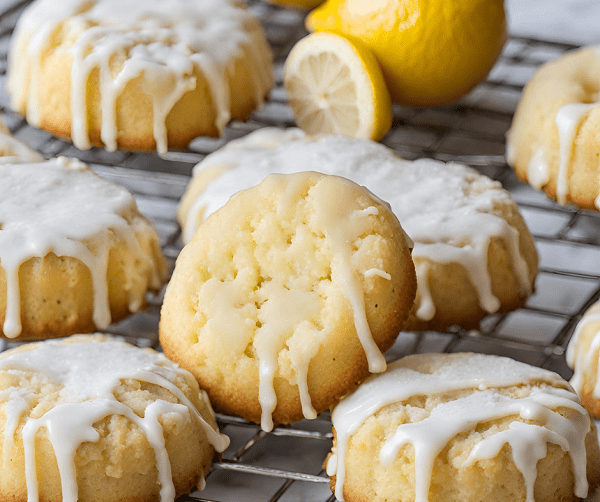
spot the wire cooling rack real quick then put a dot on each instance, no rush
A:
(286, 464)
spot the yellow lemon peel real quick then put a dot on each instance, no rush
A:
(334, 85)
(431, 52)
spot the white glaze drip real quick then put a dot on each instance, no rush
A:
(429, 436)
(342, 226)
(163, 43)
(270, 339)
(62, 207)
(568, 120)
(89, 373)
(580, 360)
(372, 272)
(446, 209)
(537, 171)
(528, 444)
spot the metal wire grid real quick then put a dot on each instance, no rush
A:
(286, 464)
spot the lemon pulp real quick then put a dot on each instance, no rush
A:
(334, 85)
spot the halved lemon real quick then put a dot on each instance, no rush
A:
(431, 52)
(334, 86)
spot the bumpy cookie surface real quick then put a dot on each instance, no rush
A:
(473, 252)
(95, 419)
(137, 75)
(554, 141)
(75, 252)
(583, 356)
(462, 427)
(288, 295)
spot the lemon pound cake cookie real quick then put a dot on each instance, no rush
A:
(472, 250)
(583, 356)
(553, 142)
(95, 419)
(462, 428)
(75, 253)
(287, 296)
(136, 74)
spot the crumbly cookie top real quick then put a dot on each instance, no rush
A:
(496, 388)
(450, 211)
(279, 265)
(68, 386)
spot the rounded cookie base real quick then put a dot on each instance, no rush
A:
(101, 92)
(494, 480)
(120, 465)
(194, 115)
(57, 293)
(456, 300)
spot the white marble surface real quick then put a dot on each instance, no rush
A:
(571, 21)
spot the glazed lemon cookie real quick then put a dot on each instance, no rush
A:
(472, 250)
(553, 142)
(75, 253)
(462, 427)
(287, 296)
(583, 356)
(137, 75)
(95, 419)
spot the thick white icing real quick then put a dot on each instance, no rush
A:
(62, 207)
(88, 373)
(446, 209)
(581, 360)
(421, 375)
(161, 42)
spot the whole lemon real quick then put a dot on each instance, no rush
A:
(431, 52)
